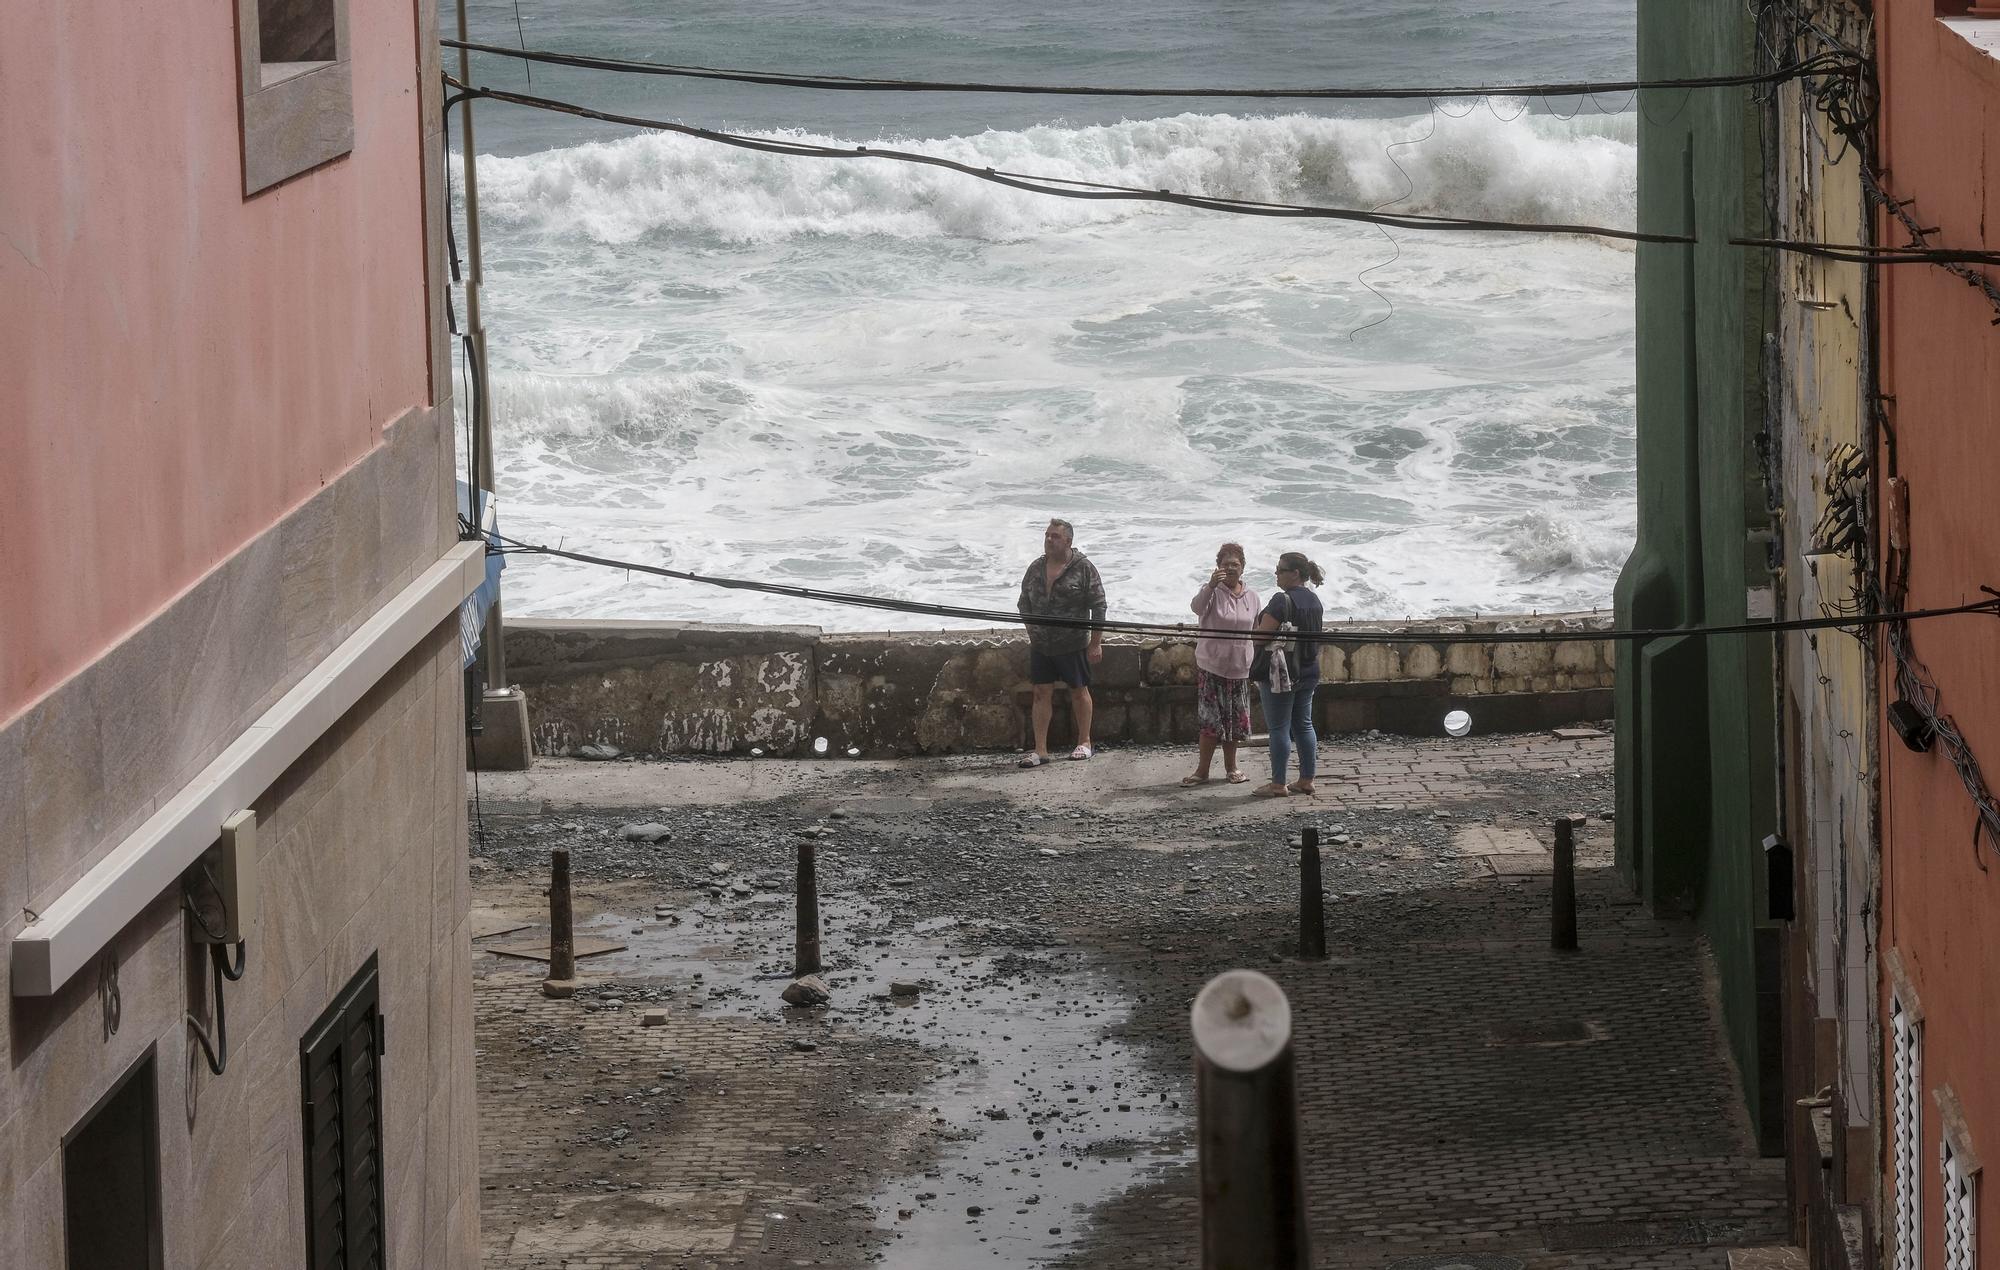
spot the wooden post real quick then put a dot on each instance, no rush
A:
(562, 936)
(805, 956)
(1312, 901)
(1562, 887)
(1253, 1211)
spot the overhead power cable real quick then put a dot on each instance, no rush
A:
(1822, 64)
(513, 546)
(1859, 255)
(1064, 187)
(1899, 208)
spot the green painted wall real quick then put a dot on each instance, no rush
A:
(1696, 739)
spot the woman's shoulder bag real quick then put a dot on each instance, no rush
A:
(1272, 664)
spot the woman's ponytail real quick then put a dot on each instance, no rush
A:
(1297, 562)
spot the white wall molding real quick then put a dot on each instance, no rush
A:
(70, 931)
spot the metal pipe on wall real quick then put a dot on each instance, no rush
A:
(480, 405)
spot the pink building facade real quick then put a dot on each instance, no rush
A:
(1937, 466)
(231, 711)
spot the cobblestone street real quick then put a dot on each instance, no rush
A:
(1463, 1089)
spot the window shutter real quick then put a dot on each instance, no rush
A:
(325, 1233)
(1961, 1243)
(1906, 1096)
(340, 1069)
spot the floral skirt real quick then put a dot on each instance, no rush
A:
(1222, 706)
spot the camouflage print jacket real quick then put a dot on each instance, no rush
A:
(1078, 593)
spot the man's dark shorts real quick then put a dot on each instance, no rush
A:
(1069, 668)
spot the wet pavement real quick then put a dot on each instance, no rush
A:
(1035, 1114)
(1024, 1098)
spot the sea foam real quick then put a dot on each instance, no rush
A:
(1479, 164)
(881, 377)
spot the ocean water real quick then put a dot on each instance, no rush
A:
(877, 377)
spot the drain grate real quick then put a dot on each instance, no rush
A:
(1664, 1232)
(1456, 1261)
(787, 1237)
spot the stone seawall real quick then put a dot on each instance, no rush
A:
(690, 688)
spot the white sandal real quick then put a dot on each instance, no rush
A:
(1081, 753)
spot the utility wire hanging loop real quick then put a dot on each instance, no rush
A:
(1828, 64)
(1061, 187)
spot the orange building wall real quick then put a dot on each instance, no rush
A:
(1941, 363)
(178, 365)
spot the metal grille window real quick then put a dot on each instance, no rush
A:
(1906, 1099)
(1961, 1247)
(340, 1063)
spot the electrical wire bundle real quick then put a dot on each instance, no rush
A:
(1914, 255)
(1915, 686)
(1851, 108)
(1851, 105)
(1879, 196)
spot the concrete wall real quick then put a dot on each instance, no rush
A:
(1826, 696)
(1940, 139)
(688, 688)
(1696, 732)
(184, 365)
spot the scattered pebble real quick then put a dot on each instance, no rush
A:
(809, 990)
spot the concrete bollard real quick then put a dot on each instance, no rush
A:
(1253, 1210)
(1312, 899)
(805, 951)
(562, 935)
(1562, 887)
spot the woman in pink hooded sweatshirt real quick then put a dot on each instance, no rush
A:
(1222, 663)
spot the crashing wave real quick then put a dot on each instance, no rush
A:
(1543, 543)
(1532, 168)
(639, 409)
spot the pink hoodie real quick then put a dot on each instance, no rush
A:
(1221, 611)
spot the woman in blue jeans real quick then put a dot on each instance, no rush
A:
(1288, 716)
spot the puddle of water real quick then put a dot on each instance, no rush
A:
(1037, 1115)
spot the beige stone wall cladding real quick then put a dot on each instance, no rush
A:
(678, 688)
(361, 850)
